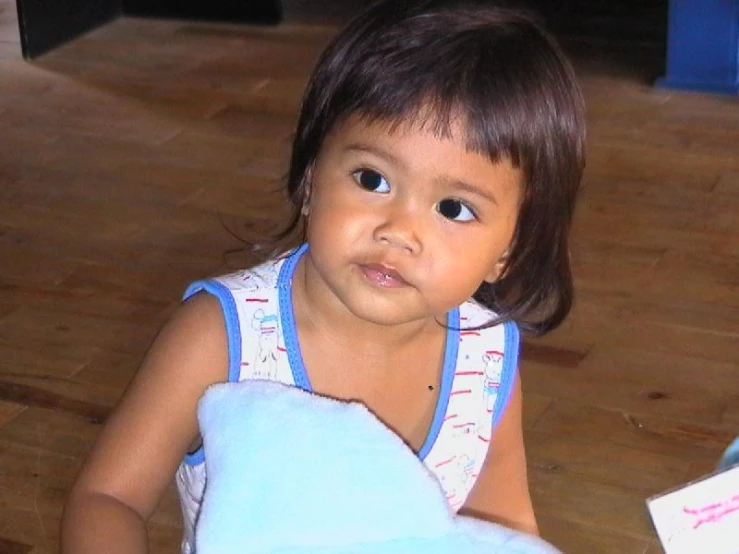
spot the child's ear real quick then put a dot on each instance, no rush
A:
(498, 269)
(307, 186)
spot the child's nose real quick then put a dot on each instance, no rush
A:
(401, 227)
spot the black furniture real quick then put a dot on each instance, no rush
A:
(45, 24)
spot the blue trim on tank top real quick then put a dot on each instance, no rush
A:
(449, 368)
(510, 369)
(287, 319)
(233, 333)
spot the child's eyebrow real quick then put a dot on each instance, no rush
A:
(472, 189)
(379, 152)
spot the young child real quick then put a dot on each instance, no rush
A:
(433, 176)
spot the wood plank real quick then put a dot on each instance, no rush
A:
(51, 432)
(543, 353)
(90, 113)
(613, 266)
(678, 340)
(59, 395)
(579, 538)
(29, 528)
(34, 480)
(200, 149)
(22, 361)
(534, 407)
(728, 183)
(649, 433)
(29, 82)
(8, 411)
(52, 329)
(12, 547)
(590, 504)
(655, 548)
(247, 123)
(608, 381)
(107, 369)
(611, 465)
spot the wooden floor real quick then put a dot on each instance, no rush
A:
(9, 33)
(124, 153)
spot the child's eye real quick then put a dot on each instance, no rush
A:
(371, 181)
(455, 210)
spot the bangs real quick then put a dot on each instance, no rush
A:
(451, 120)
(504, 88)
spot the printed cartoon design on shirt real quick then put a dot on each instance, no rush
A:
(464, 428)
(465, 382)
(456, 476)
(445, 474)
(466, 470)
(268, 350)
(259, 278)
(493, 370)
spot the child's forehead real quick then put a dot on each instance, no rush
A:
(452, 126)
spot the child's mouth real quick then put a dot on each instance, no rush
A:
(383, 276)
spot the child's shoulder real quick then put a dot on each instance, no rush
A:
(474, 314)
(264, 275)
(478, 335)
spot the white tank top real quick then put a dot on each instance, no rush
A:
(477, 377)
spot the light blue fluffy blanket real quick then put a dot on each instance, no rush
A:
(294, 473)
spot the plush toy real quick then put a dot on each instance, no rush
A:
(291, 472)
(730, 457)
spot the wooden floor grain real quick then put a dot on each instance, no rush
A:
(126, 154)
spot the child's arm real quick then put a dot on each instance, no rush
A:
(141, 445)
(501, 493)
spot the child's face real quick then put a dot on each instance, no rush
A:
(403, 225)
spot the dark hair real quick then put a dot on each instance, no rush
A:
(402, 60)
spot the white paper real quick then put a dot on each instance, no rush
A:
(701, 517)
